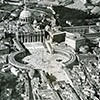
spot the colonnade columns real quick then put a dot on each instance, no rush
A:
(33, 37)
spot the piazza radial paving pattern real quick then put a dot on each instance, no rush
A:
(50, 62)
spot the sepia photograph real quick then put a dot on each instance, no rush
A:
(49, 49)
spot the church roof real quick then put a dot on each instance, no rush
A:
(25, 13)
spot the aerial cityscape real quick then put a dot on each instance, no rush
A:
(49, 49)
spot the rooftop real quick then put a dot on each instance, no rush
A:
(25, 13)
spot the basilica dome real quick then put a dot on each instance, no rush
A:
(25, 14)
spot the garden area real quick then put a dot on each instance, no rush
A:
(76, 17)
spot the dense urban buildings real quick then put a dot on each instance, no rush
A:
(49, 50)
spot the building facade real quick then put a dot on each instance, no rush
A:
(31, 37)
(75, 41)
(27, 32)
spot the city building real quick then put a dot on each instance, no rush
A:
(13, 2)
(55, 35)
(75, 41)
(48, 2)
(3, 48)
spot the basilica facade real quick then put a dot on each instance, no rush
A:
(26, 31)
